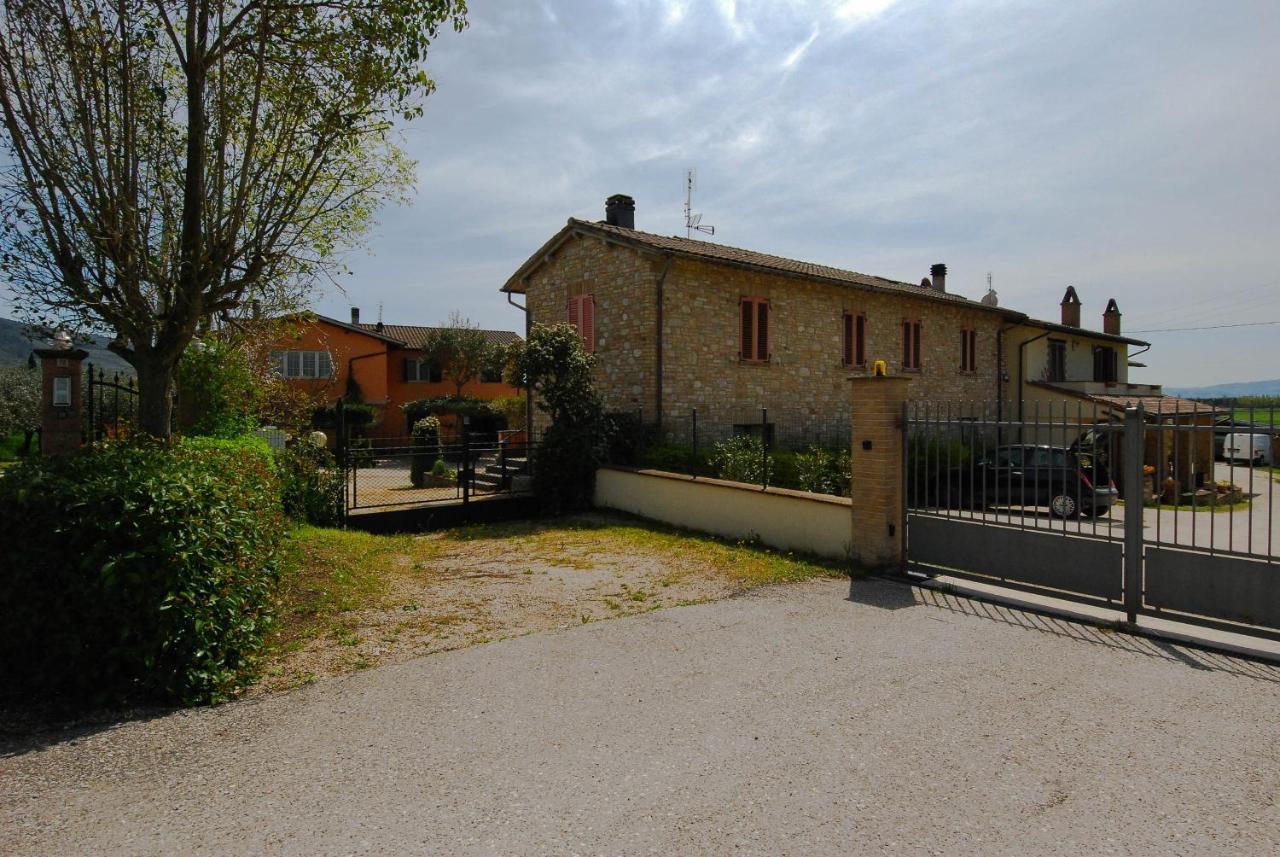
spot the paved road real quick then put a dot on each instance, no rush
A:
(805, 719)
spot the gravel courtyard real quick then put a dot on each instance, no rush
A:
(797, 719)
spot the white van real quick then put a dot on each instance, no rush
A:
(1240, 446)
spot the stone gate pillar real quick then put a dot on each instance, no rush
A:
(60, 421)
(877, 537)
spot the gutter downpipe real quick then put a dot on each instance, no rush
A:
(1000, 371)
(662, 279)
(1022, 366)
(528, 390)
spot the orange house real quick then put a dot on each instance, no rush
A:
(381, 365)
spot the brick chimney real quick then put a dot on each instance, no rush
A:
(1071, 308)
(620, 210)
(1111, 318)
(939, 274)
(355, 315)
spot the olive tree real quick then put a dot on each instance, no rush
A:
(170, 162)
(461, 350)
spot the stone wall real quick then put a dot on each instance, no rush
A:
(624, 285)
(804, 384)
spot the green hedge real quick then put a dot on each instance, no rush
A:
(138, 571)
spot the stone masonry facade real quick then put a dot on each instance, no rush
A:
(804, 384)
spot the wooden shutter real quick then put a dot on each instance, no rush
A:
(915, 345)
(762, 330)
(973, 351)
(747, 351)
(575, 313)
(906, 345)
(588, 314)
(846, 351)
(405, 372)
(860, 340)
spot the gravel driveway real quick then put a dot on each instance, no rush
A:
(805, 718)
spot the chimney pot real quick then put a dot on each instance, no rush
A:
(355, 315)
(939, 273)
(620, 210)
(1071, 308)
(1111, 318)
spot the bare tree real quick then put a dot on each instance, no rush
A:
(170, 161)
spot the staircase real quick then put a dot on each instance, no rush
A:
(505, 473)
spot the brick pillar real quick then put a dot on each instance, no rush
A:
(877, 489)
(60, 421)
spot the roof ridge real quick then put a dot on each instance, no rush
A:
(694, 243)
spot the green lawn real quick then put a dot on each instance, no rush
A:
(10, 447)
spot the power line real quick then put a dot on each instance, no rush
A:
(1206, 327)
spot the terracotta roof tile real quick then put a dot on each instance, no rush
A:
(725, 254)
(414, 336)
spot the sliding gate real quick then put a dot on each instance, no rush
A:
(1131, 514)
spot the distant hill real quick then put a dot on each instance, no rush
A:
(1226, 391)
(16, 347)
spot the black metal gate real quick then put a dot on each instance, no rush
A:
(1066, 503)
(110, 404)
(460, 467)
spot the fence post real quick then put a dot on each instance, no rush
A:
(764, 447)
(1134, 426)
(61, 420)
(90, 433)
(465, 473)
(877, 493)
(693, 465)
(340, 446)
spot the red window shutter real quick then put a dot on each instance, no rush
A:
(906, 345)
(915, 346)
(762, 330)
(860, 341)
(846, 352)
(746, 310)
(973, 350)
(588, 313)
(964, 350)
(575, 313)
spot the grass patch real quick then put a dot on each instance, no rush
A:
(327, 573)
(11, 447)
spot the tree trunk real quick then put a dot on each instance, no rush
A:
(155, 400)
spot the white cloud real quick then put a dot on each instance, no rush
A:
(798, 52)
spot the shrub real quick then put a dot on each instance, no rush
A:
(553, 363)
(514, 409)
(677, 458)
(358, 416)
(217, 390)
(426, 447)
(484, 418)
(310, 483)
(742, 458)
(138, 571)
(822, 471)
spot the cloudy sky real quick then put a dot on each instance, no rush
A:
(1128, 148)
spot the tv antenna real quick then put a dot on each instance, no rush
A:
(693, 222)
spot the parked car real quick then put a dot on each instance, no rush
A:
(1067, 481)
(1252, 447)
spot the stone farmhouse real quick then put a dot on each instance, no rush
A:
(381, 364)
(678, 324)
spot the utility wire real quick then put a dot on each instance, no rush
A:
(1206, 327)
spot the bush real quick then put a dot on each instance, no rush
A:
(217, 389)
(357, 415)
(426, 447)
(514, 409)
(138, 571)
(310, 483)
(676, 458)
(822, 471)
(742, 458)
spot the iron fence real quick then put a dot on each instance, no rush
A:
(110, 404)
(782, 448)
